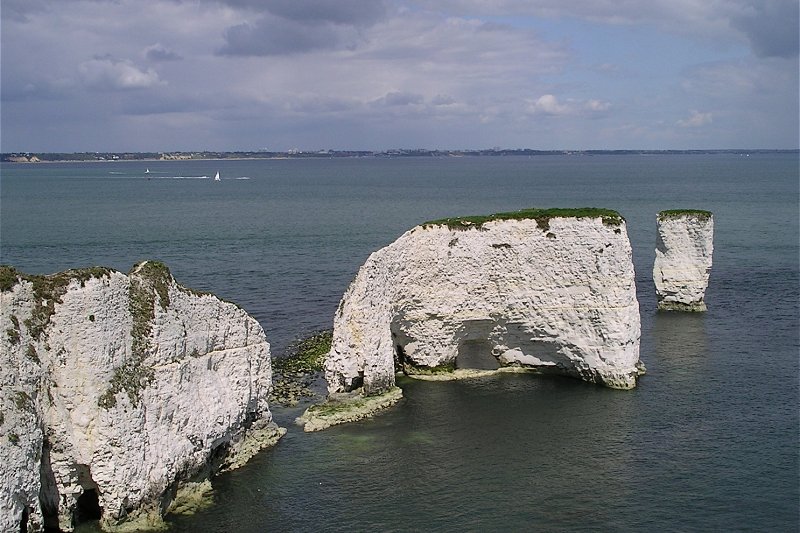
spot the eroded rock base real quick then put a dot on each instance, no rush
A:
(695, 307)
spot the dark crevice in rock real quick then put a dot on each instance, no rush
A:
(48, 491)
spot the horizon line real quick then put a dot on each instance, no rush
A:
(295, 151)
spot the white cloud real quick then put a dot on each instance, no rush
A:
(696, 119)
(596, 106)
(548, 104)
(106, 73)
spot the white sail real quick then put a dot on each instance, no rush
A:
(216, 178)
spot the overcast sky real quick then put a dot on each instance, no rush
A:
(157, 75)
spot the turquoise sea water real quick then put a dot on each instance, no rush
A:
(708, 441)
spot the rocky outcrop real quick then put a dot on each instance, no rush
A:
(340, 408)
(551, 290)
(120, 390)
(683, 259)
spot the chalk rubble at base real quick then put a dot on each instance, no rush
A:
(682, 265)
(557, 295)
(128, 385)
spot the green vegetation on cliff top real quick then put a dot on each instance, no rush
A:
(675, 213)
(541, 216)
(47, 291)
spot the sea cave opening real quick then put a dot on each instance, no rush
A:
(87, 507)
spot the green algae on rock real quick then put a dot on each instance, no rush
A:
(541, 216)
(677, 213)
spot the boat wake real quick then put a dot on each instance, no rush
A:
(178, 177)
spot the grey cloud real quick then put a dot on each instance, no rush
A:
(347, 12)
(290, 26)
(772, 27)
(157, 53)
(19, 10)
(320, 104)
(399, 98)
(36, 90)
(442, 99)
(271, 36)
(163, 102)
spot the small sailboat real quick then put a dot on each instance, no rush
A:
(147, 171)
(216, 178)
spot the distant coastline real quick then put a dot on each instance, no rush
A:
(82, 157)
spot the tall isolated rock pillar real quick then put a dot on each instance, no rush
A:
(683, 259)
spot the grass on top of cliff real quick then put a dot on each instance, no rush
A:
(541, 216)
(47, 291)
(677, 213)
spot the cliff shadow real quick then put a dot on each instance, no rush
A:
(476, 354)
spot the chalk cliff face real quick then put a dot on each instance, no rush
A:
(122, 389)
(683, 259)
(550, 292)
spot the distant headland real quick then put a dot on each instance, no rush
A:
(44, 157)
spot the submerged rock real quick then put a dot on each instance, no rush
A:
(683, 259)
(118, 391)
(544, 289)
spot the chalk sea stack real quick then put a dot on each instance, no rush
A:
(543, 289)
(121, 394)
(684, 250)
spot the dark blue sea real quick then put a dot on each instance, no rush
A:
(709, 441)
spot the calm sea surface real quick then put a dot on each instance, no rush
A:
(707, 442)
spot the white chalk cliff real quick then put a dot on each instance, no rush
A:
(684, 250)
(123, 389)
(546, 289)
